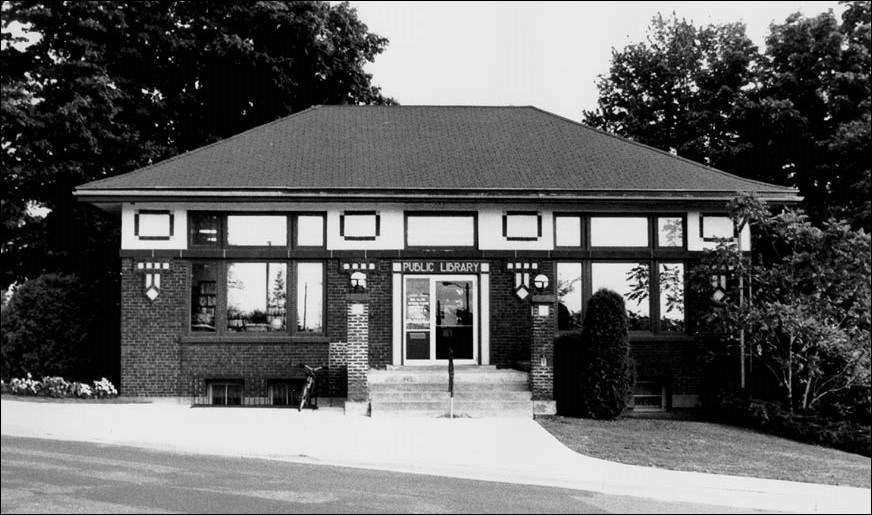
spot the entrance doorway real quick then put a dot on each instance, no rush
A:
(440, 312)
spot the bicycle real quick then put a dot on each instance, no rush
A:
(310, 389)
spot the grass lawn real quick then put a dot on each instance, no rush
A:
(707, 447)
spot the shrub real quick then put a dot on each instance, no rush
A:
(733, 406)
(606, 367)
(26, 386)
(103, 388)
(46, 328)
(81, 390)
(55, 387)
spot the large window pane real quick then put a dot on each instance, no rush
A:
(310, 297)
(671, 297)
(256, 294)
(631, 280)
(568, 231)
(441, 230)
(203, 294)
(616, 231)
(205, 229)
(310, 231)
(670, 232)
(569, 287)
(259, 230)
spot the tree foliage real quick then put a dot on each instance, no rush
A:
(796, 114)
(807, 313)
(103, 88)
(48, 328)
(111, 86)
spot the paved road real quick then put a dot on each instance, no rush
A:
(47, 476)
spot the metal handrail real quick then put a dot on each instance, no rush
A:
(450, 382)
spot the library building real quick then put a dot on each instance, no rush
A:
(382, 242)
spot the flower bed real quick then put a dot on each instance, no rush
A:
(60, 388)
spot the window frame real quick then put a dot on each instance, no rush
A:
(222, 333)
(167, 212)
(459, 214)
(295, 230)
(375, 214)
(582, 237)
(537, 214)
(291, 223)
(210, 383)
(222, 221)
(656, 231)
(226, 229)
(651, 409)
(715, 215)
(654, 326)
(651, 232)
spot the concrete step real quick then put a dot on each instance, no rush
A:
(461, 408)
(432, 376)
(413, 396)
(482, 388)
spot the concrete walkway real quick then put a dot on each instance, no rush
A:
(508, 450)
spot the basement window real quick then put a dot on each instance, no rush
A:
(649, 396)
(225, 392)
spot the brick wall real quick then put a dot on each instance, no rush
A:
(253, 362)
(155, 364)
(511, 325)
(150, 330)
(542, 364)
(357, 354)
(674, 363)
(380, 289)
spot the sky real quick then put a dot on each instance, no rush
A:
(546, 54)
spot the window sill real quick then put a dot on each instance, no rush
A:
(253, 338)
(660, 337)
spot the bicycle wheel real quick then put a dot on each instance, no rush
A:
(304, 396)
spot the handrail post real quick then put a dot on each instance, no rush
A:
(450, 382)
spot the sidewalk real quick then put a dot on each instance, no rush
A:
(507, 450)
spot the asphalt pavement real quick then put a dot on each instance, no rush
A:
(47, 476)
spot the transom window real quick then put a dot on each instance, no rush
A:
(256, 230)
(618, 231)
(440, 230)
(245, 297)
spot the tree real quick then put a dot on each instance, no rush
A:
(47, 329)
(108, 87)
(809, 322)
(678, 90)
(797, 114)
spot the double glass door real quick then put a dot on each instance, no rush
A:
(440, 313)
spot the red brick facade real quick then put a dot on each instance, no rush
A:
(158, 357)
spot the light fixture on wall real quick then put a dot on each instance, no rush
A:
(358, 282)
(540, 282)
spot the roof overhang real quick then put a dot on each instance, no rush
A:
(111, 196)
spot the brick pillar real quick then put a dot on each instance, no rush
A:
(542, 356)
(357, 353)
(337, 369)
